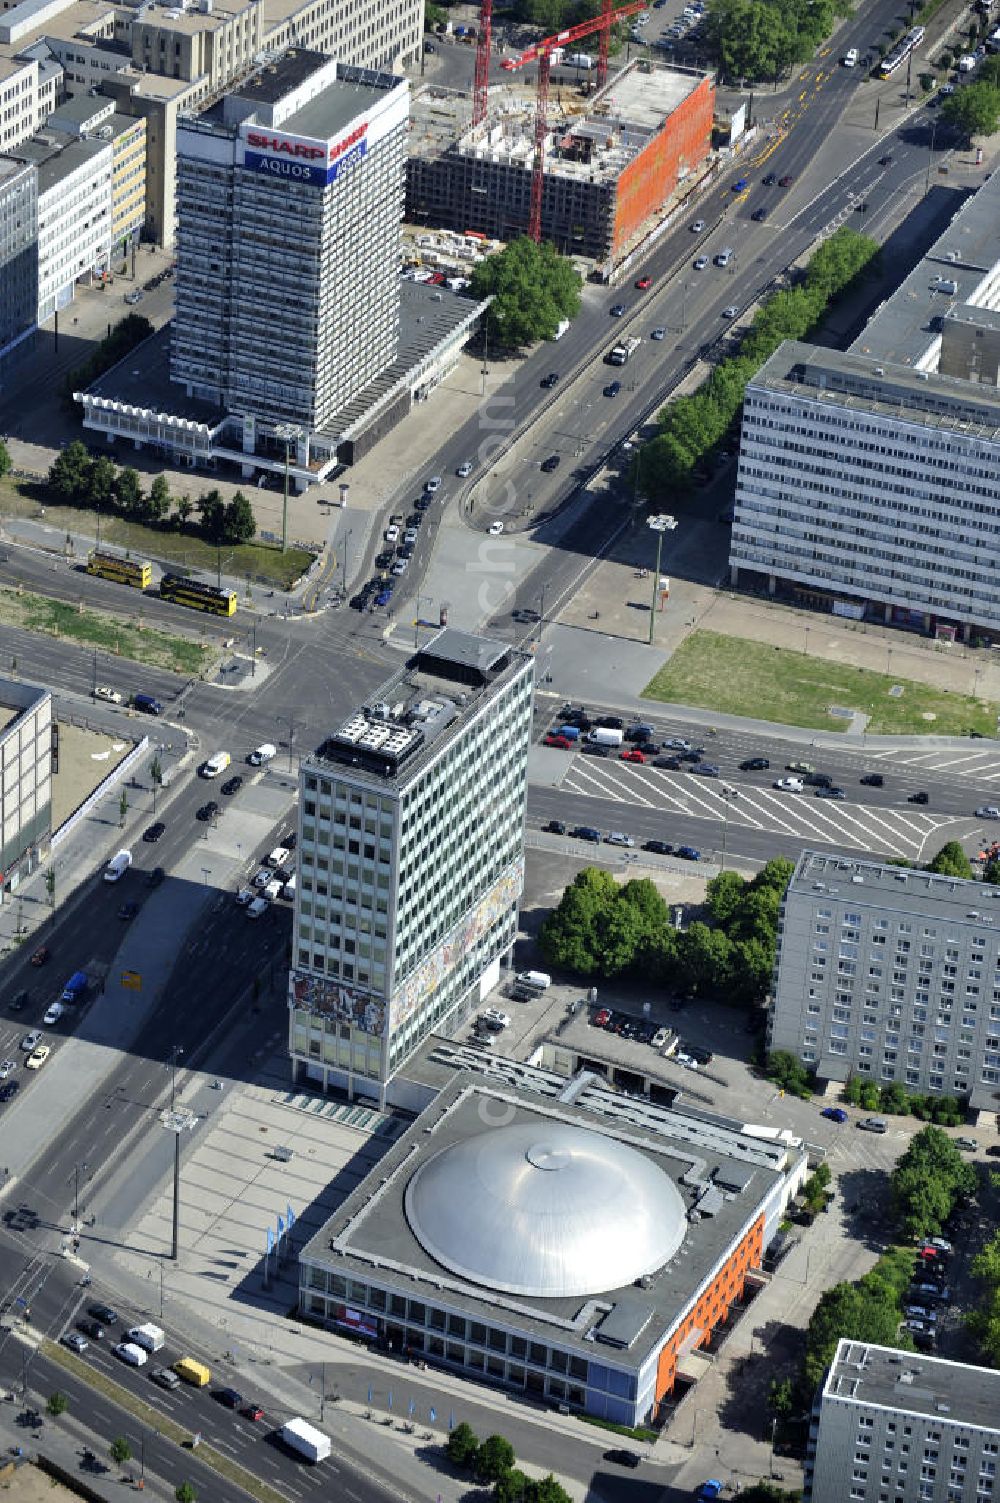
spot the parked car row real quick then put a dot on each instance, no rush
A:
(399, 544)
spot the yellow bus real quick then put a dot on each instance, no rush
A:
(200, 597)
(137, 572)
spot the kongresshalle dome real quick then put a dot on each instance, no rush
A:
(545, 1209)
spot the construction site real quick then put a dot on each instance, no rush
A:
(585, 172)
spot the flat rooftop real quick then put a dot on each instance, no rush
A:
(859, 382)
(369, 1235)
(647, 97)
(873, 883)
(142, 379)
(277, 78)
(57, 154)
(356, 90)
(907, 1383)
(444, 683)
(907, 327)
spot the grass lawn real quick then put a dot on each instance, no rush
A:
(56, 618)
(264, 563)
(772, 683)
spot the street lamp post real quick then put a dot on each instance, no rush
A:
(175, 1055)
(729, 797)
(660, 524)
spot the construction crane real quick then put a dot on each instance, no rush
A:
(541, 52)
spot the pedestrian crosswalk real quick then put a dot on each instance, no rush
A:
(902, 832)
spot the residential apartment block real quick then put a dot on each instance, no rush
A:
(18, 252)
(869, 481)
(895, 1427)
(890, 974)
(411, 833)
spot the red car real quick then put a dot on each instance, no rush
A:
(602, 1019)
(563, 743)
(252, 1411)
(40, 956)
(644, 284)
(632, 756)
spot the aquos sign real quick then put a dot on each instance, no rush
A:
(303, 161)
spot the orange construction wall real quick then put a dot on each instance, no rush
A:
(712, 1306)
(648, 181)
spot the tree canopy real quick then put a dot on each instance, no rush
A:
(927, 1182)
(761, 39)
(533, 288)
(869, 1310)
(973, 110)
(951, 861)
(75, 479)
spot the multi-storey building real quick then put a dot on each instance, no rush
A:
(890, 974)
(895, 1427)
(411, 829)
(93, 116)
(18, 252)
(75, 213)
(290, 194)
(26, 730)
(869, 482)
(18, 101)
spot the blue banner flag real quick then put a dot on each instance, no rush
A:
(270, 1240)
(290, 1217)
(434, 1415)
(281, 1226)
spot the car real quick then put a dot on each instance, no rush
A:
(412, 533)
(7, 1067)
(621, 1457)
(618, 837)
(92, 1328)
(262, 877)
(104, 1314)
(612, 389)
(430, 48)
(799, 767)
(494, 1018)
(658, 333)
(700, 263)
(245, 897)
(730, 311)
(632, 754)
(850, 58)
(155, 876)
(789, 785)
(383, 598)
(31, 1039)
(710, 1489)
(706, 769)
(18, 1001)
(918, 798)
(873, 780)
(661, 1038)
(382, 561)
(278, 855)
(700, 1055)
(464, 470)
(885, 161)
(552, 463)
(837, 793)
(165, 1377)
(391, 533)
(693, 754)
(9, 1090)
(232, 785)
(135, 296)
(37, 1057)
(528, 616)
(74, 1341)
(919, 1312)
(698, 226)
(988, 811)
(422, 503)
(588, 833)
(968, 1144)
(111, 695)
(496, 528)
(40, 955)
(946, 89)
(769, 179)
(562, 742)
(400, 566)
(755, 764)
(675, 763)
(229, 1398)
(153, 832)
(595, 749)
(251, 1410)
(834, 1113)
(786, 181)
(918, 1325)
(759, 214)
(643, 284)
(688, 853)
(550, 380)
(873, 1124)
(676, 743)
(618, 310)
(741, 185)
(128, 911)
(658, 847)
(208, 811)
(432, 485)
(601, 1018)
(939, 1244)
(555, 827)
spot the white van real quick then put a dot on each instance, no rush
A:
(216, 764)
(288, 891)
(130, 1353)
(118, 866)
(264, 753)
(538, 981)
(257, 908)
(850, 58)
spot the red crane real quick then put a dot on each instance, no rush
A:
(541, 52)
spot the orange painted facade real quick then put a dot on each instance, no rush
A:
(712, 1306)
(648, 181)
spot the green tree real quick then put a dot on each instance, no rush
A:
(767, 1492)
(212, 511)
(991, 871)
(186, 1492)
(463, 1445)
(571, 936)
(494, 1459)
(120, 1451)
(6, 463)
(240, 523)
(704, 958)
(951, 861)
(512, 1487)
(547, 1490)
(894, 1100)
(723, 896)
(185, 507)
(68, 475)
(781, 1397)
(927, 1182)
(532, 287)
(101, 483)
(158, 500)
(789, 1073)
(848, 1310)
(973, 111)
(57, 1404)
(128, 493)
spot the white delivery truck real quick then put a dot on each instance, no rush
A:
(538, 981)
(216, 764)
(149, 1337)
(118, 866)
(307, 1442)
(264, 753)
(602, 735)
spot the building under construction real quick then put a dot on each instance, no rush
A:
(611, 162)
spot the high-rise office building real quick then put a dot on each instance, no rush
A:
(411, 832)
(289, 202)
(892, 975)
(895, 1427)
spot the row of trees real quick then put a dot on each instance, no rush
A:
(603, 929)
(76, 479)
(491, 1463)
(895, 1101)
(984, 1321)
(762, 39)
(533, 288)
(126, 334)
(869, 1310)
(927, 1183)
(691, 427)
(975, 109)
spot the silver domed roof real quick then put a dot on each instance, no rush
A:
(546, 1209)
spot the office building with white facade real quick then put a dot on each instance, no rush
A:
(895, 1427)
(75, 212)
(26, 732)
(411, 832)
(869, 481)
(892, 975)
(18, 252)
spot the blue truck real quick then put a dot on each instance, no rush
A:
(76, 988)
